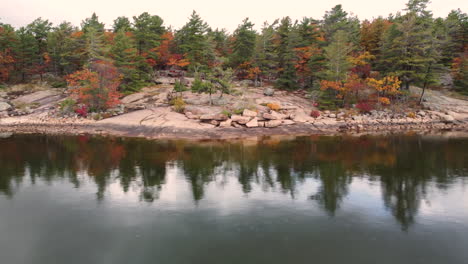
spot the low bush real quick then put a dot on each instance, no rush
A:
(67, 106)
(274, 106)
(315, 114)
(365, 106)
(179, 104)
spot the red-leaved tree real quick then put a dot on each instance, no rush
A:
(96, 86)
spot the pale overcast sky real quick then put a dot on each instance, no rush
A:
(219, 14)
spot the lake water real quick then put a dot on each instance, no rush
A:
(399, 199)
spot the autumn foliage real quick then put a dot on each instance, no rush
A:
(96, 86)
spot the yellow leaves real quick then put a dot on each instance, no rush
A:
(384, 100)
(388, 85)
(361, 59)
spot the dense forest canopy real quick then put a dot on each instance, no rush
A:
(336, 51)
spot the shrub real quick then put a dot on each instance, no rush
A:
(365, 106)
(178, 104)
(197, 85)
(67, 106)
(227, 113)
(315, 114)
(59, 84)
(179, 86)
(327, 100)
(96, 86)
(82, 111)
(274, 106)
(384, 100)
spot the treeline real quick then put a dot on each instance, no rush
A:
(412, 46)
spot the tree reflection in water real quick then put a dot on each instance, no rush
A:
(403, 165)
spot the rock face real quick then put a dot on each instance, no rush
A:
(301, 117)
(227, 123)
(4, 106)
(269, 92)
(252, 123)
(249, 113)
(217, 117)
(240, 119)
(274, 116)
(273, 123)
(133, 98)
(41, 97)
(448, 118)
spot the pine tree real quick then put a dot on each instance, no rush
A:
(26, 53)
(62, 48)
(243, 44)
(309, 52)
(337, 53)
(192, 40)
(265, 56)
(92, 22)
(39, 29)
(124, 54)
(405, 51)
(337, 19)
(285, 43)
(148, 30)
(122, 23)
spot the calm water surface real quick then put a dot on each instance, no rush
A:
(401, 199)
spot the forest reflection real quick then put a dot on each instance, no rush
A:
(402, 165)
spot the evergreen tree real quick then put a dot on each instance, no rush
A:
(95, 48)
(309, 52)
(122, 23)
(285, 44)
(124, 54)
(337, 19)
(192, 40)
(62, 48)
(148, 30)
(243, 44)
(265, 56)
(337, 53)
(92, 22)
(26, 53)
(405, 51)
(39, 29)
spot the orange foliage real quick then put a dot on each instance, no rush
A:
(352, 84)
(387, 85)
(274, 106)
(165, 56)
(6, 64)
(96, 87)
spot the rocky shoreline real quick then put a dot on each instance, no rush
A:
(224, 133)
(255, 113)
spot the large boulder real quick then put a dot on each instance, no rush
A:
(227, 123)
(249, 113)
(240, 119)
(252, 123)
(217, 117)
(269, 91)
(448, 118)
(4, 106)
(273, 123)
(301, 117)
(273, 115)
